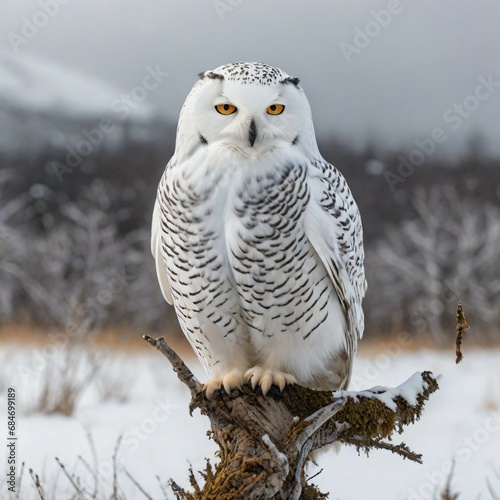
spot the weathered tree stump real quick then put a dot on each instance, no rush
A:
(265, 441)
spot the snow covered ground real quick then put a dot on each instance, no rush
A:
(461, 421)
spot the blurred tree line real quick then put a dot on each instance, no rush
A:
(74, 232)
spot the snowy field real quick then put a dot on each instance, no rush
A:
(140, 398)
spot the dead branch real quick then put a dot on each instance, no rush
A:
(461, 326)
(265, 441)
(183, 372)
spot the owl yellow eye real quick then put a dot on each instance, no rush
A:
(275, 109)
(225, 109)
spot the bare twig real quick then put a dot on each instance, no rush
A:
(20, 481)
(70, 478)
(163, 489)
(315, 475)
(491, 490)
(114, 495)
(93, 473)
(55, 482)
(461, 326)
(38, 484)
(94, 470)
(447, 494)
(400, 449)
(139, 487)
(183, 372)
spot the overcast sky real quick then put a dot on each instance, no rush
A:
(395, 82)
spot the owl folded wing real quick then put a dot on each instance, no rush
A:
(156, 244)
(333, 226)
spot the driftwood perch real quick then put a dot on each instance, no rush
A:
(265, 441)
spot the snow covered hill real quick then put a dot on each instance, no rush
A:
(43, 86)
(45, 104)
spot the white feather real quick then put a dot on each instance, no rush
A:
(259, 245)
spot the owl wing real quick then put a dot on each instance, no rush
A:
(156, 244)
(333, 226)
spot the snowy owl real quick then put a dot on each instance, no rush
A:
(257, 239)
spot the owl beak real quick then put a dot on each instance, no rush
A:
(252, 133)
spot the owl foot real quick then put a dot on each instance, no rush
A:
(231, 380)
(265, 378)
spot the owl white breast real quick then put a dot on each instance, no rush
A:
(257, 239)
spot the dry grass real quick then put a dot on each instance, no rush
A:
(372, 345)
(127, 341)
(447, 493)
(491, 402)
(60, 391)
(64, 382)
(58, 381)
(116, 339)
(113, 383)
(82, 482)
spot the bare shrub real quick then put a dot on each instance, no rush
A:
(64, 380)
(72, 267)
(448, 251)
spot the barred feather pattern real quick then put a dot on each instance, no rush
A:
(248, 285)
(257, 239)
(345, 243)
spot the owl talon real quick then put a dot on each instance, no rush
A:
(280, 381)
(210, 387)
(266, 383)
(229, 381)
(266, 378)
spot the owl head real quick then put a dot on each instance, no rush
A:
(251, 108)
